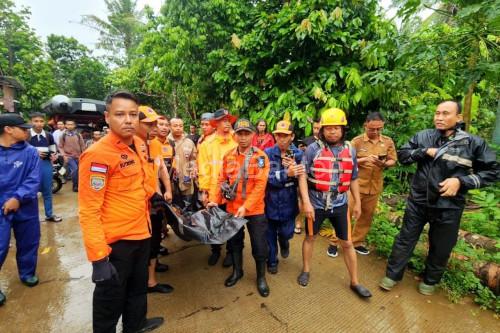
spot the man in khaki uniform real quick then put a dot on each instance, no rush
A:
(375, 152)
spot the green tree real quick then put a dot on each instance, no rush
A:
(120, 31)
(77, 73)
(66, 52)
(22, 56)
(89, 79)
(305, 56)
(184, 46)
(456, 53)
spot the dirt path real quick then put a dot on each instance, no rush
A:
(201, 303)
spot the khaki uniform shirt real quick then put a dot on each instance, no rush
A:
(370, 176)
(184, 162)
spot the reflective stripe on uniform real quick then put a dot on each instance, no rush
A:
(476, 180)
(334, 159)
(313, 169)
(459, 160)
(316, 181)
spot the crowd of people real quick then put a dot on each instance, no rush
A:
(266, 177)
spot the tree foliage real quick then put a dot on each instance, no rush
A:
(22, 57)
(183, 46)
(455, 53)
(120, 31)
(77, 73)
(306, 56)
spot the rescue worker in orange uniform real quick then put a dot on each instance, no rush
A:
(113, 198)
(210, 155)
(167, 151)
(242, 186)
(146, 130)
(331, 168)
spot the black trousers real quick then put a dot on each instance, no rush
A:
(128, 297)
(257, 228)
(156, 228)
(443, 234)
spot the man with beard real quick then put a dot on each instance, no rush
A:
(450, 162)
(332, 171)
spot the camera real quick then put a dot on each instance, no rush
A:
(289, 153)
(227, 192)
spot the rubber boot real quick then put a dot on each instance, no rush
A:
(237, 269)
(262, 286)
(228, 260)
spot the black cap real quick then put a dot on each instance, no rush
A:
(243, 125)
(14, 120)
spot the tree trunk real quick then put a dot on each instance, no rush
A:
(489, 274)
(477, 240)
(496, 132)
(175, 101)
(468, 105)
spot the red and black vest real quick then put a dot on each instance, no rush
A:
(326, 165)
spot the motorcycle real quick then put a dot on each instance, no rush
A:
(58, 172)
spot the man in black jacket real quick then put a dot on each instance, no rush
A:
(449, 161)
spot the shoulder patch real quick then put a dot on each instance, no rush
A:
(261, 161)
(98, 167)
(97, 182)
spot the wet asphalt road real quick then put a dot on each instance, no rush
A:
(200, 303)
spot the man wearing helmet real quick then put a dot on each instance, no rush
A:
(332, 171)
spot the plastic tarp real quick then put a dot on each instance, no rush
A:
(208, 226)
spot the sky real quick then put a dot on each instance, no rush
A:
(62, 17)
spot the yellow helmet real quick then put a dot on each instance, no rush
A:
(333, 116)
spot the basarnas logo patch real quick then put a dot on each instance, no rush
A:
(97, 182)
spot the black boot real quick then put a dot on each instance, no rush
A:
(214, 257)
(228, 260)
(261, 279)
(237, 269)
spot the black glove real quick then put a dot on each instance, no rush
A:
(103, 270)
(157, 200)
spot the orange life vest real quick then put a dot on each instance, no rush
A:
(326, 165)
